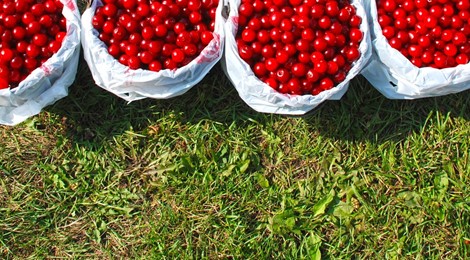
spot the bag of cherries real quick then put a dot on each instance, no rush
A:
(40, 48)
(288, 56)
(152, 49)
(421, 47)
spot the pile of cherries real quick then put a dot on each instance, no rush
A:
(299, 46)
(430, 33)
(155, 34)
(31, 32)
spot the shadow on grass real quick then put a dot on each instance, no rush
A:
(365, 114)
(93, 114)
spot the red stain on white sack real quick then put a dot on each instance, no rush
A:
(235, 21)
(70, 4)
(47, 69)
(211, 52)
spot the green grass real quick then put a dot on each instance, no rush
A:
(204, 176)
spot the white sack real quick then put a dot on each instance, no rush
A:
(262, 97)
(48, 83)
(396, 77)
(132, 85)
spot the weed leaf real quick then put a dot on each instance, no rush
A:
(313, 246)
(343, 210)
(244, 165)
(320, 207)
(262, 181)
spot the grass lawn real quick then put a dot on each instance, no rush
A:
(205, 176)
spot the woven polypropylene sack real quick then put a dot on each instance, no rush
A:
(133, 85)
(263, 98)
(396, 77)
(49, 82)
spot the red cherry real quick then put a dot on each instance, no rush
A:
(462, 59)
(267, 51)
(54, 46)
(161, 30)
(21, 46)
(299, 70)
(355, 21)
(290, 49)
(275, 19)
(415, 50)
(246, 9)
(19, 33)
(388, 32)
(448, 10)
(246, 52)
(324, 22)
(114, 50)
(271, 64)
(326, 84)
(427, 57)
(333, 68)
(40, 39)
(131, 50)
(321, 66)
(352, 54)
(404, 37)
(37, 9)
(272, 83)
(178, 55)
(317, 11)
(155, 47)
(263, 36)
(424, 41)
(128, 4)
(384, 21)
(440, 60)
(283, 75)
(450, 50)
(459, 39)
(355, 35)
(287, 37)
(190, 50)
(282, 56)
(155, 66)
(388, 5)
(145, 57)
(320, 44)
(195, 17)
(16, 62)
(6, 55)
(194, 5)
(294, 86)
(463, 5)
(447, 35)
(143, 9)
(312, 76)
(286, 25)
(110, 10)
(206, 37)
(332, 8)
(260, 69)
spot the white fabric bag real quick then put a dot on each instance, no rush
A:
(263, 98)
(132, 85)
(48, 83)
(396, 77)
